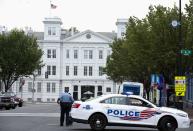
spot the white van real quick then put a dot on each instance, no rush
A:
(134, 88)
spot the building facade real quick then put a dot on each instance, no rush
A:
(73, 60)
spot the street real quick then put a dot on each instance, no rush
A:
(45, 117)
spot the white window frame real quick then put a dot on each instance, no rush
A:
(75, 70)
(67, 53)
(100, 70)
(90, 72)
(53, 70)
(75, 54)
(100, 54)
(67, 70)
(85, 70)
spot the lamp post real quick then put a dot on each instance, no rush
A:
(178, 24)
(0, 78)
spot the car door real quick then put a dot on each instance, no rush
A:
(140, 112)
(115, 108)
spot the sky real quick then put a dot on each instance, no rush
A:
(96, 15)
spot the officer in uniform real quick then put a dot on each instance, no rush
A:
(65, 100)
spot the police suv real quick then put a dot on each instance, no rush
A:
(127, 110)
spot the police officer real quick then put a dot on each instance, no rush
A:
(65, 100)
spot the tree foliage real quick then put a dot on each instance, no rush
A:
(20, 56)
(151, 46)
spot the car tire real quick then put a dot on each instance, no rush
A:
(167, 124)
(20, 104)
(98, 122)
(7, 108)
(14, 107)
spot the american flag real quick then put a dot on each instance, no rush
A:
(145, 114)
(53, 6)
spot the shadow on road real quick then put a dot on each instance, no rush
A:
(109, 130)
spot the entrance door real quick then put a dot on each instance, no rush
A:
(87, 91)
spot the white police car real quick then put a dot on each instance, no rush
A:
(123, 110)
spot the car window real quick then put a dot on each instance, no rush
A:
(138, 102)
(115, 100)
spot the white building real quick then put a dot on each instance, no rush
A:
(72, 60)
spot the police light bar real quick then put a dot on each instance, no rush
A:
(127, 93)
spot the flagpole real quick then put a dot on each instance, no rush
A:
(50, 9)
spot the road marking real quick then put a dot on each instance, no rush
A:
(31, 114)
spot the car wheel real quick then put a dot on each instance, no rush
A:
(7, 108)
(167, 124)
(97, 122)
(20, 104)
(14, 107)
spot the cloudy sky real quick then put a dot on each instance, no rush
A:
(96, 15)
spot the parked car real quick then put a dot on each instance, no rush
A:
(17, 99)
(7, 102)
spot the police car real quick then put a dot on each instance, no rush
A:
(127, 110)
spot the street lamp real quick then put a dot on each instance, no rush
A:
(178, 24)
(0, 78)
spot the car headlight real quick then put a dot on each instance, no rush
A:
(182, 114)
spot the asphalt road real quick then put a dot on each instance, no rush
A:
(45, 117)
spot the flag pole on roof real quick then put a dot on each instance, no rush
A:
(52, 6)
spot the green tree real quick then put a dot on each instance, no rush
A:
(20, 56)
(151, 46)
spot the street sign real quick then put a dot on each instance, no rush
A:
(182, 93)
(186, 52)
(180, 83)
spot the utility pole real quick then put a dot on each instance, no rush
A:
(180, 69)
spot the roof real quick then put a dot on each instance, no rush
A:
(110, 35)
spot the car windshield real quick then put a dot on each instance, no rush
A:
(8, 93)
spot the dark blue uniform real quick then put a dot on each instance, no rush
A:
(65, 101)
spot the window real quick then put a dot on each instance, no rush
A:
(67, 70)
(67, 54)
(39, 71)
(39, 99)
(54, 53)
(29, 86)
(49, 70)
(108, 89)
(85, 54)
(100, 54)
(100, 70)
(90, 54)
(53, 87)
(75, 70)
(29, 99)
(75, 54)
(51, 30)
(138, 102)
(66, 88)
(49, 53)
(48, 99)
(75, 88)
(39, 87)
(115, 100)
(85, 70)
(53, 99)
(99, 91)
(53, 70)
(90, 70)
(75, 93)
(48, 87)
